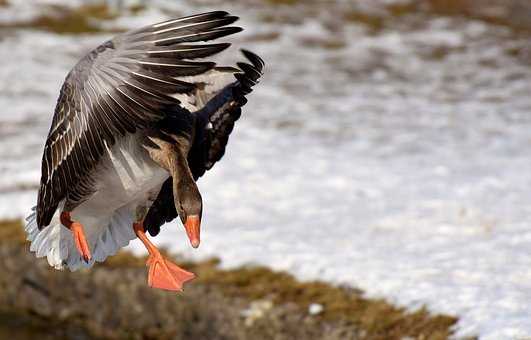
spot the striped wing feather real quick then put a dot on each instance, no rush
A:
(128, 83)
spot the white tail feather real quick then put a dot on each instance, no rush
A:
(57, 244)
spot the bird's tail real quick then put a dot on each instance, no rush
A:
(55, 242)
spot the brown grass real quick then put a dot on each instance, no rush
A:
(213, 297)
(12, 231)
(282, 2)
(377, 318)
(66, 20)
(451, 7)
(137, 8)
(374, 22)
(510, 13)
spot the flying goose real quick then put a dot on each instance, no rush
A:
(137, 122)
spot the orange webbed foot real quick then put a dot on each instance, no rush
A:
(164, 274)
(78, 234)
(81, 241)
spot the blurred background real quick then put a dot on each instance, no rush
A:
(387, 147)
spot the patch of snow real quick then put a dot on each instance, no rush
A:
(315, 309)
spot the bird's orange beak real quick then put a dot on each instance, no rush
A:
(192, 226)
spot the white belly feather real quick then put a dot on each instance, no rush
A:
(125, 175)
(127, 181)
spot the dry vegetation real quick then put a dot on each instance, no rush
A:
(67, 20)
(112, 301)
(88, 18)
(282, 2)
(510, 13)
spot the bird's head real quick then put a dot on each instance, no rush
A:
(189, 206)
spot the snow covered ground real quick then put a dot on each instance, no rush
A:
(395, 161)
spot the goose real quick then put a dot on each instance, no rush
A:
(138, 120)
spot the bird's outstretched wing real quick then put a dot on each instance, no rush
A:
(219, 97)
(123, 85)
(221, 110)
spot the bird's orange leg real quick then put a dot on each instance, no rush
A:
(163, 274)
(79, 235)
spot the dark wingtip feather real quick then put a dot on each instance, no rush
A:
(254, 59)
(245, 83)
(207, 15)
(229, 20)
(250, 70)
(201, 36)
(212, 49)
(219, 13)
(250, 73)
(223, 18)
(224, 31)
(219, 47)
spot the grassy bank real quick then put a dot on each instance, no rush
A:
(112, 301)
(88, 18)
(68, 20)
